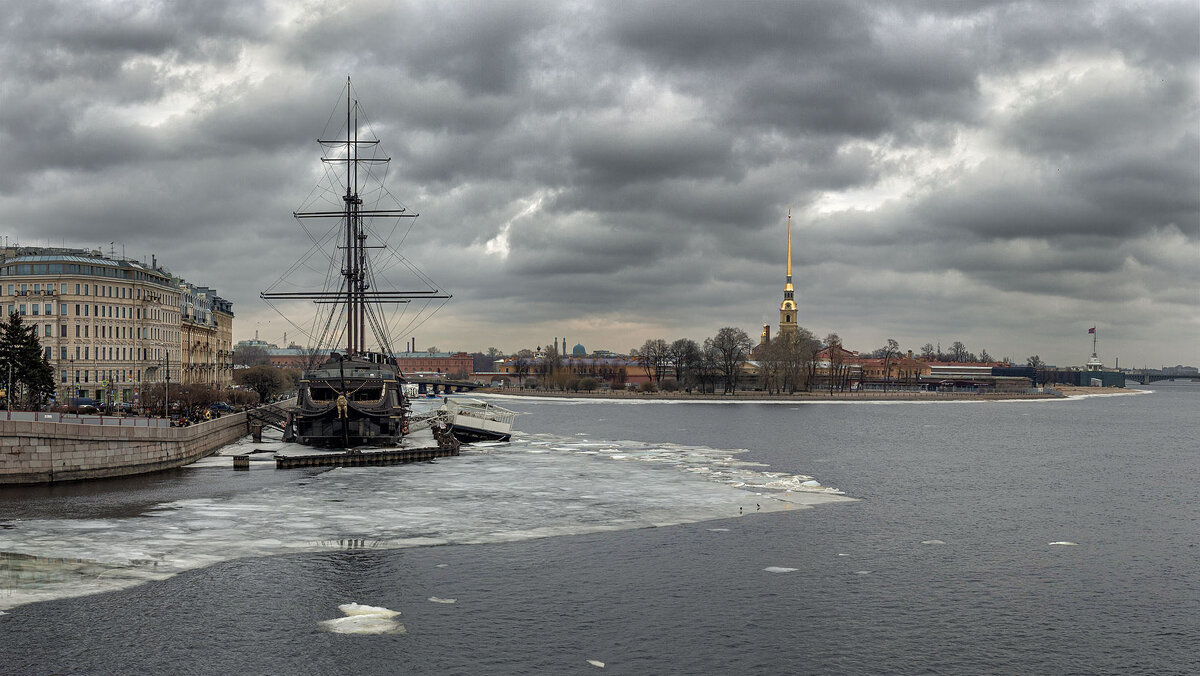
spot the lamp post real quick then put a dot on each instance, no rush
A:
(167, 386)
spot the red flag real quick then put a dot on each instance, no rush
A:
(1092, 330)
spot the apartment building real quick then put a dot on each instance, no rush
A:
(109, 325)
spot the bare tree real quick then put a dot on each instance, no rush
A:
(958, 352)
(800, 353)
(250, 355)
(685, 354)
(772, 364)
(520, 367)
(653, 357)
(927, 352)
(551, 363)
(708, 367)
(890, 351)
(731, 347)
(838, 373)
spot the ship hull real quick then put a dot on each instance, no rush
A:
(349, 402)
(357, 428)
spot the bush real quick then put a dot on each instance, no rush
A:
(670, 386)
(587, 384)
(647, 387)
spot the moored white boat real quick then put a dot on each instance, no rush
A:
(478, 420)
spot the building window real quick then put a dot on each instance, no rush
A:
(76, 293)
(35, 310)
(62, 354)
(21, 308)
(49, 333)
(62, 288)
(62, 309)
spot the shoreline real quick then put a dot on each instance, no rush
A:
(1066, 392)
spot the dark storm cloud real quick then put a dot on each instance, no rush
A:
(949, 165)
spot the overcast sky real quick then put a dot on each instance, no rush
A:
(1006, 174)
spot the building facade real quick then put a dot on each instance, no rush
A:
(107, 325)
(207, 353)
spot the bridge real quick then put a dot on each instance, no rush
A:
(1147, 377)
(442, 386)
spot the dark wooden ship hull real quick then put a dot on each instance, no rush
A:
(350, 402)
(358, 428)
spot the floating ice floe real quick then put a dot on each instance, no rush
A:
(542, 495)
(1065, 543)
(779, 569)
(362, 619)
(862, 572)
(359, 609)
(434, 599)
(718, 530)
(932, 542)
(596, 663)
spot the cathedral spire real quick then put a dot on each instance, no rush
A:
(789, 250)
(787, 309)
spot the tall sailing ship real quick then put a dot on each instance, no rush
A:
(353, 392)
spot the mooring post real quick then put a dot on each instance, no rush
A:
(256, 430)
(241, 462)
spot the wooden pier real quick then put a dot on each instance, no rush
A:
(395, 456)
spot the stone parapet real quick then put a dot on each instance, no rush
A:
(42, 452)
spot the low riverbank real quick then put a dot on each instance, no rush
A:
(1057, 392)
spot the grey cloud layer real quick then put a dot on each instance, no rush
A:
(1024, 159)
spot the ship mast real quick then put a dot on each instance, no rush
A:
(354, 294)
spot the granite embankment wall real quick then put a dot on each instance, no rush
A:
(41, 452)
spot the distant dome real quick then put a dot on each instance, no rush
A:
(578, 351)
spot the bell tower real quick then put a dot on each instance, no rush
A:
(787, 309)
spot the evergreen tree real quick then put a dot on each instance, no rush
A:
(27, 375)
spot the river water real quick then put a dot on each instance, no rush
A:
(650, 538)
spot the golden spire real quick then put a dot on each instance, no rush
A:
(787, 309)
(789, 253)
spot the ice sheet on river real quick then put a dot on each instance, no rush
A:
(536, 486)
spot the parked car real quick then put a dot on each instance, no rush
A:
(84, 405)
(220, 406)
